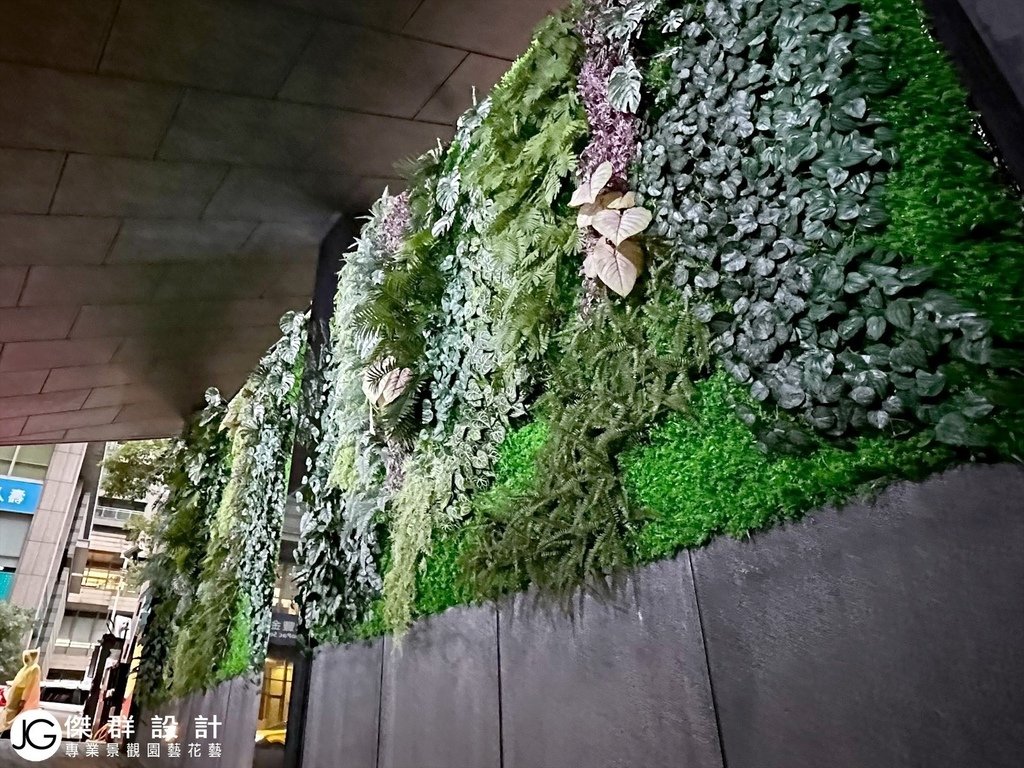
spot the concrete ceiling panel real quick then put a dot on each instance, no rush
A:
(500, 29)
(138, 430)
(12, 279)
(12, 427)
(216, 44)
(85, 377)
(32, 355)
(215, 127)
(28, 178)
(456, 95)
(380, 14)
(27, 405)
(280, 195)
(97, 284)
(193, 343)
(150, 411)
(233, 279)
(47, 109)
(366, 70)
(36, 323)
(115, 186)
(123, 394)
(86, 417)
(27, 239)
(68, 34)
(288, 240)
(168, 240)
(156, 317)
(22, 383)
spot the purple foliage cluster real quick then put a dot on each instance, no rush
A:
(613, 134)
(396, 222)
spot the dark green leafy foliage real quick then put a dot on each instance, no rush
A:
(766, 166)
(618, 376)
(949, 207)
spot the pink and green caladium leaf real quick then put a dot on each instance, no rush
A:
(617, 267)
(618, 226)
(592, 187)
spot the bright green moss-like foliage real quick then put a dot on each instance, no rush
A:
(702, 474)
(947, 204)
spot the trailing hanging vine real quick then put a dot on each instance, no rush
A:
(195, 475)
(224, 630)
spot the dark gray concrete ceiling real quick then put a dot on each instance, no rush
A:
(168, 168)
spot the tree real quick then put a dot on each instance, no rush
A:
(14, 623)
(133, 468)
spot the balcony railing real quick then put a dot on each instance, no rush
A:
(114, 514)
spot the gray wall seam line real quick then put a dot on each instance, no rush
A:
(707, 660)
(380, 700)
(501, 715)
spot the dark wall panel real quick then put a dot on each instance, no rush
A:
(344, 704)
(624, 683)
(439, 705)
(886, 634)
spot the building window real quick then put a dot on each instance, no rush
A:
(79, 631)
(27, 461)
(13, 530)
(276, 693)
(102, 578)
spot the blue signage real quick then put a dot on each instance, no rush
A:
(18, 495)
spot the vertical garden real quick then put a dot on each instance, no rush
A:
(690, 269)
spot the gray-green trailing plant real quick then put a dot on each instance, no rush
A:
(344, 490)
(195, 473)
(227, 627)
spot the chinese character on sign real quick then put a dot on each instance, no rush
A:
(71, 749)
(78, 728)
(113, 750)
(153, 749)
(92, 749)
(164, 728)
(17, 495)
(204, 725)
(132, 749)
(174, 749)
(214, 749)
(122, 727)
(195, 749)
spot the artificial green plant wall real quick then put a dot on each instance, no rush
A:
(690, 269)
(217, 531)
(692, 249)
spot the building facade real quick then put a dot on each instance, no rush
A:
(61, 553)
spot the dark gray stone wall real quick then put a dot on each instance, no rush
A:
(234, 702)
(344, 706)
(882, 634)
